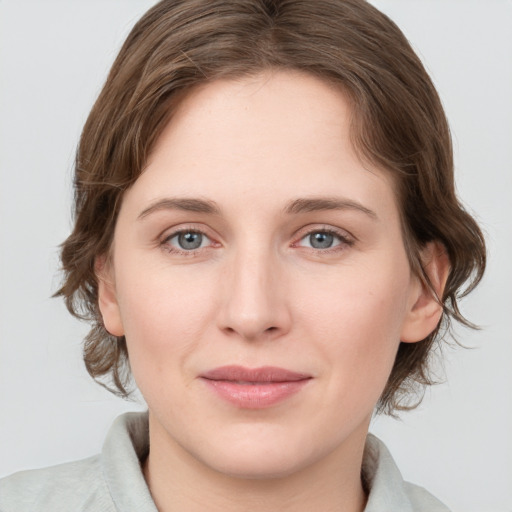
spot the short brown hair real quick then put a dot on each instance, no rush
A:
(399, 125)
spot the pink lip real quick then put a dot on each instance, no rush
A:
(254, 388)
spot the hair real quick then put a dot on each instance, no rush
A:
(398, 124)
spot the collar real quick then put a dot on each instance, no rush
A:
(127, 444)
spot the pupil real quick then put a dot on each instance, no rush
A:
(321, 240)
(190, 240)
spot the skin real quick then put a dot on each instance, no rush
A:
(259, 291)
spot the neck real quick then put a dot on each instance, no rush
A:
(179, 482)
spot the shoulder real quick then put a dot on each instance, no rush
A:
(76, 486)
(421, 499)
(387, 489)
(103, 483)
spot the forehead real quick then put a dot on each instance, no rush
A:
(263, 112)
(275, 134)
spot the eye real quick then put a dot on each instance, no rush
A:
(324, 239)
(186, 241)
(321, 240)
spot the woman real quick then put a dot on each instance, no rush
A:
(266, 229)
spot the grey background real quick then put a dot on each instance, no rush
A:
(54, 56)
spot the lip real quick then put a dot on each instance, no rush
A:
(254, 388)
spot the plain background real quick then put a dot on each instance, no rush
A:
(54, 59)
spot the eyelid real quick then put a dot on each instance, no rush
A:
(170, 233)
(181, 227)
(345, 238)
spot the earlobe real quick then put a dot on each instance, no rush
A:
(425, 308)
(107, 297)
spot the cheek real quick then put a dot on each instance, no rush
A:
(360, 300)
(357, 321)
(165, 314)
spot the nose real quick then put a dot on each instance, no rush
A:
(255, 303)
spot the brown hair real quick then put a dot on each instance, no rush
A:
(399, 125)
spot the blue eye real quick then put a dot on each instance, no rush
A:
(188, 240)
(323, 239)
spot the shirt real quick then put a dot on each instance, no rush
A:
(113, 481)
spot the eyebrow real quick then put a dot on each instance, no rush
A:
(184, 204)
(313, 204)
(301, 205)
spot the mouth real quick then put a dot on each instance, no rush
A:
(254, 388)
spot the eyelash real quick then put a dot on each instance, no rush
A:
(182, 252)
(344, 241)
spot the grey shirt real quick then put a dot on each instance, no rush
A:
(113, 481)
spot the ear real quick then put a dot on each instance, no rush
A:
(424, 309)
(107, 297)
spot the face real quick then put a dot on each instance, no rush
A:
(259, 275)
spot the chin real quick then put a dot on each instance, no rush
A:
(258, 465)
(260, 455)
